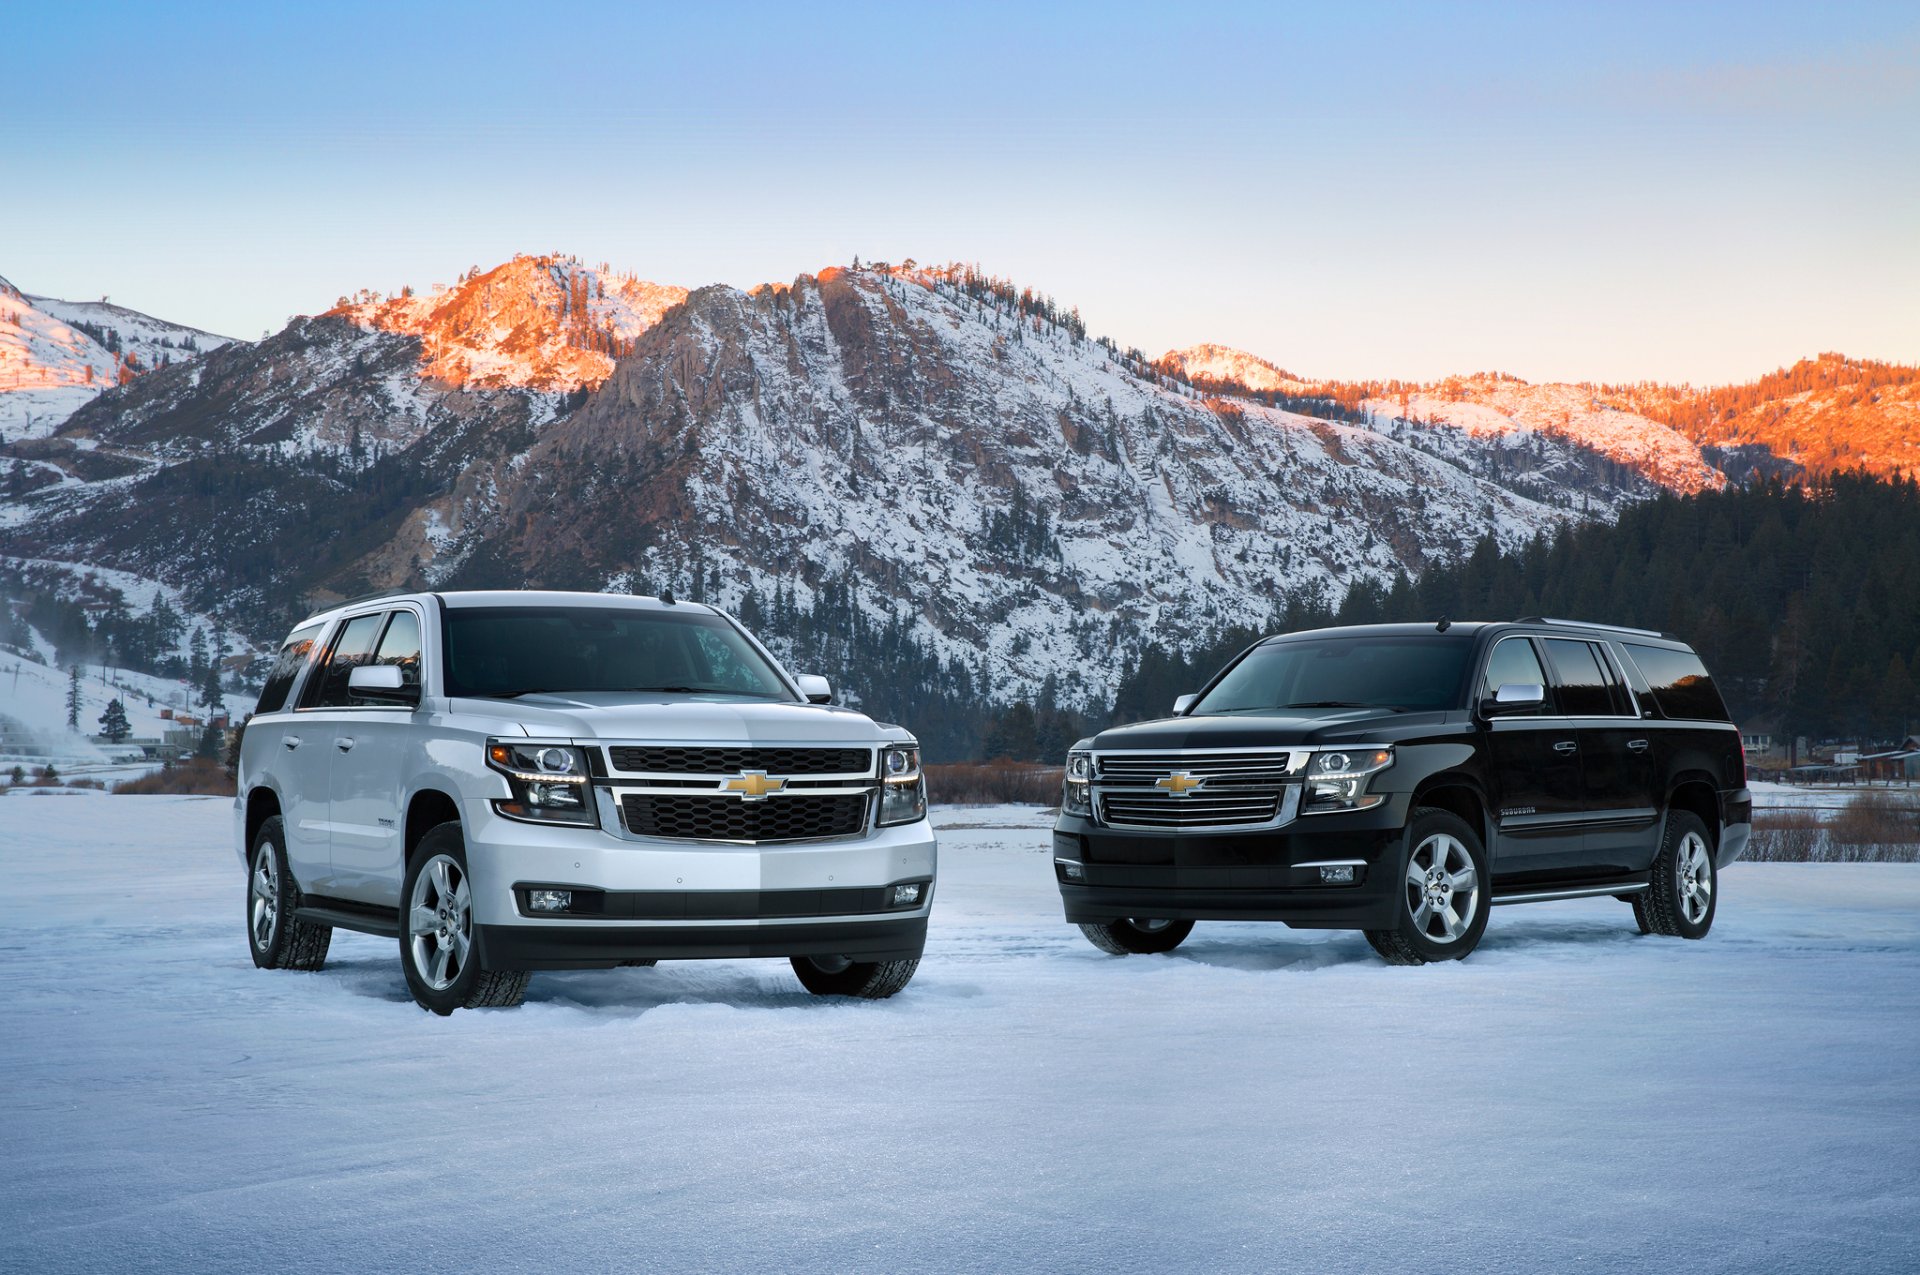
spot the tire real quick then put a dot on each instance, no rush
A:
(1443, 859)
(437, 954)
(1137, 935)
(866, 980)
(277, 938)
(1684, 893)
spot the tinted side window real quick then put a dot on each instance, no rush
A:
(1512, 663)
(1680, 683)
(286, 667)
(327, 688)
(1585, 687)
(399, 646)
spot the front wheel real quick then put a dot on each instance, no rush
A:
(1680, 900)
(865, 980)
(1137, 935)
(1442, 897)
(436, 932)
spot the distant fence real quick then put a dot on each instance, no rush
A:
(1875, 827)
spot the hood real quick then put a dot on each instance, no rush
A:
(690, 719)
(1264, 730)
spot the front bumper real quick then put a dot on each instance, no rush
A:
(1106, 874)
(679, 900)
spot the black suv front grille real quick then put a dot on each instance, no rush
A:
(667, 760)
(778, 818)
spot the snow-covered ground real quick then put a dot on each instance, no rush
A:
(1574, 1096)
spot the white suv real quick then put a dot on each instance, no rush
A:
(507, 782)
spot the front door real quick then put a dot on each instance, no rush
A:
(369, 748)
(321, 719)
(1537, 776)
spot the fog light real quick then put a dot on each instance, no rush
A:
(906, 896)
(1341, 874)
(1071, 870)
(549, 900)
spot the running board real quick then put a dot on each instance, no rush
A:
(1571, 892)
(365, 922)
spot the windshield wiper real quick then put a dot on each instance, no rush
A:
(1344, 703)
(526, 690)
(695, 690)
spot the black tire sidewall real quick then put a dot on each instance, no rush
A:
(444, 839)
(1150, 942)
(1667, 878)
(271, 839)
(1423, 826)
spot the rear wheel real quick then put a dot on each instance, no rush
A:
(436, 932)
(1443, 897)
(278, 939)
(1681, 899)
(1137, 935)
(866, 980)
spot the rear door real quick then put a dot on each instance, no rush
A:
(370, 746)
(1539, 797)
(316, 725)
(1615, 752)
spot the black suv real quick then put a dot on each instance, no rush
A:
(1400, 779)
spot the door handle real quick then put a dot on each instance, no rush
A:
(1566, 746)
(344, 744)
(291, 741)
(1637, 745)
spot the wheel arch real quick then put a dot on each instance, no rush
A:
(428, 808)
(1459, 795)
(1695, 794)
(263, 803)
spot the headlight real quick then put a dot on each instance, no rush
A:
(903, 790)
(1078, 799)
(548, 781)
(1337, 780)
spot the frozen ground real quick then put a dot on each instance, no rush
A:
(1573, 1097)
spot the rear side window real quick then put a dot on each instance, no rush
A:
(294, 653)
(1680, 683)
(1584, 685)
(327, 688)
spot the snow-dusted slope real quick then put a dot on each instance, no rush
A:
(547, 323)
(57, 355)
(1501, 410)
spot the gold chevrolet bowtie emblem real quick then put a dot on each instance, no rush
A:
(1179, 783)
(753, 785)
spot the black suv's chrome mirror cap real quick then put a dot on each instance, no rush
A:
(1182, 703)
(817, 689)
(1514, 697)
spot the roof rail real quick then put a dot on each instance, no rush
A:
(365, 597)
(1589, 624)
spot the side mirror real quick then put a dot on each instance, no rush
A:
(1514, 697)
(383, 682)
(817, 689)
(1182, 703)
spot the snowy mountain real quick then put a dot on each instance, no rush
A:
(57, 355)
(545, 323)
(1491, 409)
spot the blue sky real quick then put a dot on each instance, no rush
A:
(1615, 192)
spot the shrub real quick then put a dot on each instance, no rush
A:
(988, 782)
(195, 776)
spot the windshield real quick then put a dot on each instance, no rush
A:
(1405, 674)
(507, 651)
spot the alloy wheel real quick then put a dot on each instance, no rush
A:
(1443, 889)
(1695, 871)
(440, 922)
(264, 913)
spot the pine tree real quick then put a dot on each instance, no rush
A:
(73, 697)
(113, 723)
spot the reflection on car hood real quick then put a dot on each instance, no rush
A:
(1267, 730)
(692, 719)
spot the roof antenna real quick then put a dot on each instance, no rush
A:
(1443, 626)
(666, 597)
